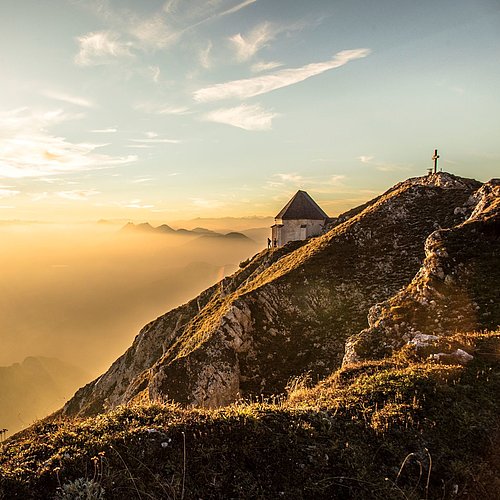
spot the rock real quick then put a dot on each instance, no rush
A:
(459, 356)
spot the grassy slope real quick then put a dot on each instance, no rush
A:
(398, 428)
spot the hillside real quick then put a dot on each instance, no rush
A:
(291, 310)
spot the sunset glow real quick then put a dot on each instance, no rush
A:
(170, 110)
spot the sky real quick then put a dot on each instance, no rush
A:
(167, 110)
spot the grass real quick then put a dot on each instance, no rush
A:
(404, 427)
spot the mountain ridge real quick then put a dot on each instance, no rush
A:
(289, 310)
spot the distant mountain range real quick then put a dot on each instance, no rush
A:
(199, 232)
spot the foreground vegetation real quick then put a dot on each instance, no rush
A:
(405, 427)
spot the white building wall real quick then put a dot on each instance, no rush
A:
(293, 230)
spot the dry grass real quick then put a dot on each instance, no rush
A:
(365, 432)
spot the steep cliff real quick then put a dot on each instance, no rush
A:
(291, 310)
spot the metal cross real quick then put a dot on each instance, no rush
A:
(435, 157)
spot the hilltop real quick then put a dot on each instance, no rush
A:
(363, 363)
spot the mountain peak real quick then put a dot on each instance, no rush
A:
(444, 180)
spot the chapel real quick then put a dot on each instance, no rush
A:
(299, 219)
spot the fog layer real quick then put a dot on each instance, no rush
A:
(81, 293)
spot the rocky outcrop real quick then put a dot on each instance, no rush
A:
(455, 290)
(291, 310)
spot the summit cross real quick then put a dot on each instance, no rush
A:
(435, 157)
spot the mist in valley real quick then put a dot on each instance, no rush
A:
(72, 298)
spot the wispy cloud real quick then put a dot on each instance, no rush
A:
(336, 180)
(292, 177)
(153, 32)
(71, 99)
(365, 158)
(206, 203)
(382, 165)
(251, 87)
(248, 45)
(29, 150)
(194, 13)
(319, 184)
(161, 108)
(204, 56)
(262, 66)
(247, 117)
(237, 7)
(101, 47)
(137, 203)
(173, 110)
(157, 141)
(105, 130)
(392, 167)
(8, 193)
(141, 180)
(78, 194)
(155, 73)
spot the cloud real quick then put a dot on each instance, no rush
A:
(259, 67)
(137, 203)
(155, 73)
(381, 165)
(318, 184)
(336, 180)
(29, 150)
(247, 117)
(104, 131)
(101, 47)
(147, 33)
(173, 110)
(8, 193)
(195, 13)
(60, 96)
(365, 158)
(141, 180)
(157, 141)
(161, 109)
(237, 7)
(204, 56)
(391, 167)
(258, 85)
(78, 194)
(206, 203)
(247, 46)
(152, 33)
(293, 177)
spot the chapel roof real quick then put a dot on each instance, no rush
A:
(302, 206)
